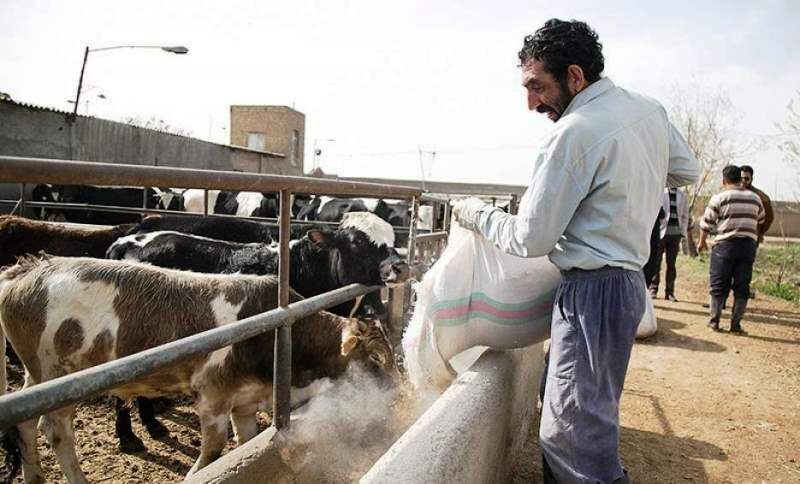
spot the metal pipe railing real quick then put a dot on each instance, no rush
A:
(17, 169)
(47, 396)
(52, 394)
(282, 373)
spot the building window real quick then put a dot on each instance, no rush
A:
(294, 149)
(257, 141)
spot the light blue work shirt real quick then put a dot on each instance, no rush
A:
(597, 182)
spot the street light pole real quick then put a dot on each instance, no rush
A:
(179, 49)
(80, 82)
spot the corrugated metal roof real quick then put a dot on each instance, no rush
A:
(66, 113)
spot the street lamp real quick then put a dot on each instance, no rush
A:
(178, 49)
(318, 151)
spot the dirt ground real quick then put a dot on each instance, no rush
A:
(700, 406)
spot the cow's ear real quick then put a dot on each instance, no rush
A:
(349, 340)
(319, 238)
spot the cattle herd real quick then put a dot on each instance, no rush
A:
(72, 298)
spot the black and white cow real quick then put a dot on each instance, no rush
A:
(245, 204)
(96, 195)
(220, 228)
(333, 210)
(360, 251)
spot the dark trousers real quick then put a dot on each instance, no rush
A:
(669, 245)
(651, 267)
(732, 266)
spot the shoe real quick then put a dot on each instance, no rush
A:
(653, 293)
(739, 307)
(671, 297)
(715, 311)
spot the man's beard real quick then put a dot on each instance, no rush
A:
(557, 107)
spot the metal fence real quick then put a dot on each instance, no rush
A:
(45, 397)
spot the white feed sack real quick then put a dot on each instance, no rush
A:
(649, 324)
(476, 295)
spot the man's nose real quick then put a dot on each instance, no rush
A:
(533, 100)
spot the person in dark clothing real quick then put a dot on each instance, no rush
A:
(733, 216)
(653, 262)
(769, 216)
(672, 229)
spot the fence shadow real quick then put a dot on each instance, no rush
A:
(654, 457)
(666, 336)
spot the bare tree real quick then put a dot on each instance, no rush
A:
(707, 120)
(789, 134)
(156, 124)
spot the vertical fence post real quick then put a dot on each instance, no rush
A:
(446, 224)
(412, 231)
(282, 374)
(205, 201)
(513, 204)
(21, 200)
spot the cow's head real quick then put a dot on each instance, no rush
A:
(361, 251)
(364, 339)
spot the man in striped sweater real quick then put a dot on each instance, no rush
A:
(733, 216)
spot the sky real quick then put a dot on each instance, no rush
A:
(392, 82)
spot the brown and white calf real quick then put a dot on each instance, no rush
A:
(20, 236)
(62, 315)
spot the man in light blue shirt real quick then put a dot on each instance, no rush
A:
(595, 191)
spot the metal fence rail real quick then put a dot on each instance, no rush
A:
(47, 396)
(17, 169)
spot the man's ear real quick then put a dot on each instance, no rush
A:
(576, 80)
(349, 340)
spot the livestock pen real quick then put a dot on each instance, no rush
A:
(422, 251)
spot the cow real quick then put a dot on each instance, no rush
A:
(322, 260)
(97, 195)
(334, 209)
(220, 228)
(20, 236)
(360, 251)
(63, 315)
(245, 204)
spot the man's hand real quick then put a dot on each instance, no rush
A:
(702, 246)
(466, 211)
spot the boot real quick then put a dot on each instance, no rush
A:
(715, 310)
(739, 306)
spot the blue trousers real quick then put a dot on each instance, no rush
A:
(594, 325)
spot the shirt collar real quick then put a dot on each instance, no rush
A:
(592, 91)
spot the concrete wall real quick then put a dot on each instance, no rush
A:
(283, 129)
(787, 219)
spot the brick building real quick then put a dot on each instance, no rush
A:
(278, 129)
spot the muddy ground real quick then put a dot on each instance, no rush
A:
(700, 406)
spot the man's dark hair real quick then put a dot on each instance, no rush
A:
(559, 44)
(748, 169)
(732, 174)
